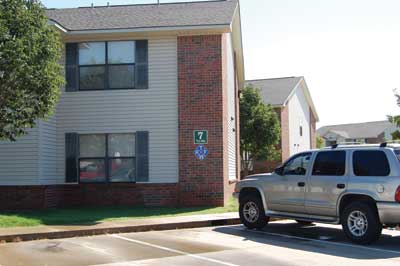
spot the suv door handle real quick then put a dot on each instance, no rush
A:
(341, 186)
(301, 184)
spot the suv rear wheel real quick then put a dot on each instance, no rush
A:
(252, 213)
(361, 223)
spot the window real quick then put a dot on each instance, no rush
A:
(107, 157)
(92, 53)
(370, 163)
(107, 65)
(121, 154)
(297, 165)
(397, 152)
(301, 131)
(330, 163)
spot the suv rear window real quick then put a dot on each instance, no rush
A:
(330, 163)
(397, 152)
(370, 163)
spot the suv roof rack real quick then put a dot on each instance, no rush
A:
(387, 143)
(335, 146)
(363, 145)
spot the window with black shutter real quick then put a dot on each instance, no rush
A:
(71, 157)
(109, 157)
(110, 65)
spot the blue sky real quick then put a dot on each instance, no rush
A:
(348, 51)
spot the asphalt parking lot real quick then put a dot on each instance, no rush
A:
(281, 243)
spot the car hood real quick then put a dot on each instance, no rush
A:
(257, 176)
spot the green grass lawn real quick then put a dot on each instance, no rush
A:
(93, 215)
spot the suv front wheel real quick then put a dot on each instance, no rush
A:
(361, 223)
(251, 212)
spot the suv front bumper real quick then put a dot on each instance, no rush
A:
(389, 212)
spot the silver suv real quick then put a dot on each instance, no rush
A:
(357, 186)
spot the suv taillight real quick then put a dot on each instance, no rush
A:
(397, 195)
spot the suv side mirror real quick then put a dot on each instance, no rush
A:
(279, 171)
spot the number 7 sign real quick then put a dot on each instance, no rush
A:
(200, 136)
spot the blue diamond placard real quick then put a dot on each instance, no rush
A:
(201, 152)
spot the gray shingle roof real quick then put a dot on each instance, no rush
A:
(208, 13)
(357, 130)
(275, 91)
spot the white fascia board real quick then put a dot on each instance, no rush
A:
(292, 92)
(222, 28)
(58, 26)
(309, 100)
(307, 94)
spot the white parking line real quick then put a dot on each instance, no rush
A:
(319, 241)
(175, 251)
(90, 247)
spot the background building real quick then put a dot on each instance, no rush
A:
(291, 99)
(369, 132)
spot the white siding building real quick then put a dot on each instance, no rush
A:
(291, 99)
(136, 91)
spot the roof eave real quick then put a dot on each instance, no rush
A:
(237, 16)
(292, 92)
(56, 25)
(220, 27)
(307, 94)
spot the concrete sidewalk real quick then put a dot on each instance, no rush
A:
(17, 234)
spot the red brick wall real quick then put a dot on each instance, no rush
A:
(313, 132)
(260, 167)
(40, 197)
(202, 105)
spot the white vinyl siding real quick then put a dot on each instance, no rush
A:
(231, 109)
(47, 151)
(19, 160)
(299, 116)
(125, 111)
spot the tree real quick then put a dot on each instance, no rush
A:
(320, 142)
(395, 119)
(395, 135)
(30, 73)
(259, 128)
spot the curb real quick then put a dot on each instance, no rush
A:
(117, 230)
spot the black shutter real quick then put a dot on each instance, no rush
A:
(71, 157)
(71, 67)
(141, 69)
(142, 156)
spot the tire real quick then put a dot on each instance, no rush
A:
(364, 220)
(300, 222)
(252, 213)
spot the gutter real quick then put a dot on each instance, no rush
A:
(221, 27)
